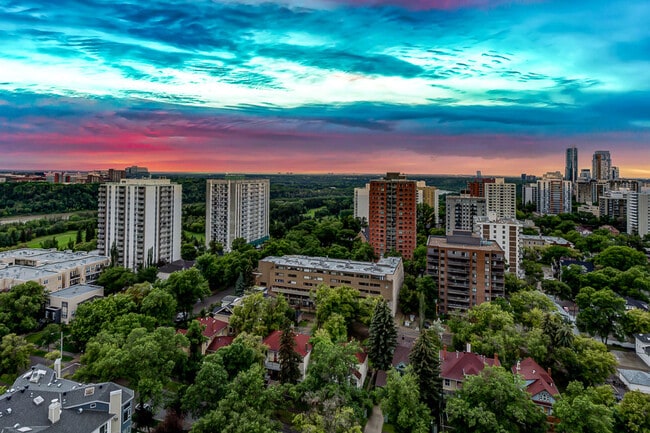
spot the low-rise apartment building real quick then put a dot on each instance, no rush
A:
(296, 277)
(62, 305)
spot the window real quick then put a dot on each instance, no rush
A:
(447, 382)
(103, 429)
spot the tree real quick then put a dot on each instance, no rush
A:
(383, 337)
(159, 304)
(336, 327)
(637, 321)
(621, 258)
(331, 363)
(328, 416)
(14, 353)
(50, 334)
(91, 317)
(260, 315)
(245, 351)
(115, 279)
(601, 312)
(494, 401)
(583, 411)
(632, 414)
(90, 232)
(425, 363)
(79, 238)
(240, 285)
(343, 300)
(208, 388)
(21, 307)
(186, 287)
(400, 403)
(289, 358)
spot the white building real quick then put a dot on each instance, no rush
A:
(638, 213)
(553, 195)
(141, 218)
(501, 199)
(237, 208)
(507, 234)
(362, 202)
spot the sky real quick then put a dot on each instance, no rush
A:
(317, 86)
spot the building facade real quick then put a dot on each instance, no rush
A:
(461, 211)
(361, 202)
(140, 221)
(501, 199)
(477, 187)
(571, 164)
(638, 213)
(296, 277)
(429, 195)
(468, 270)
(507, 234)
(392, 216)
(601, 165)
(553, 195)
(613, 204)
(62, 305)
(237, 208)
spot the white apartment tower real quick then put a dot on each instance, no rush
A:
(506, 232)
(141, 220)
(362, 202)
(461, 210)
(237, 208)
(501, 199)
(638, 213)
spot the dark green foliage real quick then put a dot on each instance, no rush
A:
(240, 285)
(116, 279)
(401, 403)
(207, 389)
(621, 258)
(425, 362)
(46, 198)
(583, 410)
(383, 337)
(601, 313)
(289, 358)
(186, 287)
(14, 354)
(21, 307)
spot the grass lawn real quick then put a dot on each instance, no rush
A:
(199, 236)
(63, 239)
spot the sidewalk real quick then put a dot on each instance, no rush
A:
(375, 422)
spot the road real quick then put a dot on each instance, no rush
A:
(375, 423)
(211, 300)
(25, 218)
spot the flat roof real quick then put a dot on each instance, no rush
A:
(442, 241)
(25, 273)
(76, 290)
(386, 265)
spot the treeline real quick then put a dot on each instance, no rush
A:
(39, 197)
(15, 234)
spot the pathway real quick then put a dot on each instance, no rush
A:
(375, 422)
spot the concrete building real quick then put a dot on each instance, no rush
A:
(501, 199)
(429, 195)
(638, 213)
(392, 215)
(135, 172)
(141, 220)
(461, 211)
(40, 400)
(468, 270)
(62, 305)
(571, 164)
(54, 270)
(362, 202)
(237, 208)
(477, 187)
(613, 204)
(601, 165)
(553, 195)
(297, 276)
(507, 234)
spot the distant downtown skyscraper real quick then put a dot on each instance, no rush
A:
(392, 215)
(571, 166)
(601, 165)
(237, 208)
(139, 220)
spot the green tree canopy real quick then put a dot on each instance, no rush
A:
(383, 337)
(401, 403)
(14, 354)
(583, 410)
(259, 314)
(601, 312)
(186, 287)
(632, 414)
(425, 363)
(115, 279)
(621, 258)
(21, 307)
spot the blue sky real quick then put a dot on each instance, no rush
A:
(324, 86)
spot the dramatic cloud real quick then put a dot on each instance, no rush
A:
(422, 86)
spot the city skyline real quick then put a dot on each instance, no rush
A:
(427, 86)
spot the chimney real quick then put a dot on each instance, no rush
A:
(496, 359)
(444, 352)
(57, 368)
(469, 348)
(548, 370)
(54, 411)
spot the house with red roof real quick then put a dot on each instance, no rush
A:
(455, 366)
(272, 361)
(212, 328)
(539, 384)
(360, 372)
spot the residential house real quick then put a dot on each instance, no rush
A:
(272, 361)
(635, 380)
(41, 401)
(400, 362)
(361, 369)
(455, 366)
(539, 384)
(212, 328)
(642, 347)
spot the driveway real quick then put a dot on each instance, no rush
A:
(375, 422)
(213, 299)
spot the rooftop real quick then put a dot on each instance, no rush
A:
(25, 273)
(457, 365)
(386, 265)
(636, 377)
(302, 346)
(76, 290)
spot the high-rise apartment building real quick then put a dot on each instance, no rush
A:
(501, 199)
(392, 216)
(468, 269)
(638, 213)
(506, 232)
(461, 210)
(140, 219)
(553, 195)
(476, 188)
(613, 204)
(601, 165)
(361, 202)
(571, 165)
(429, 195)
(237, 208)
